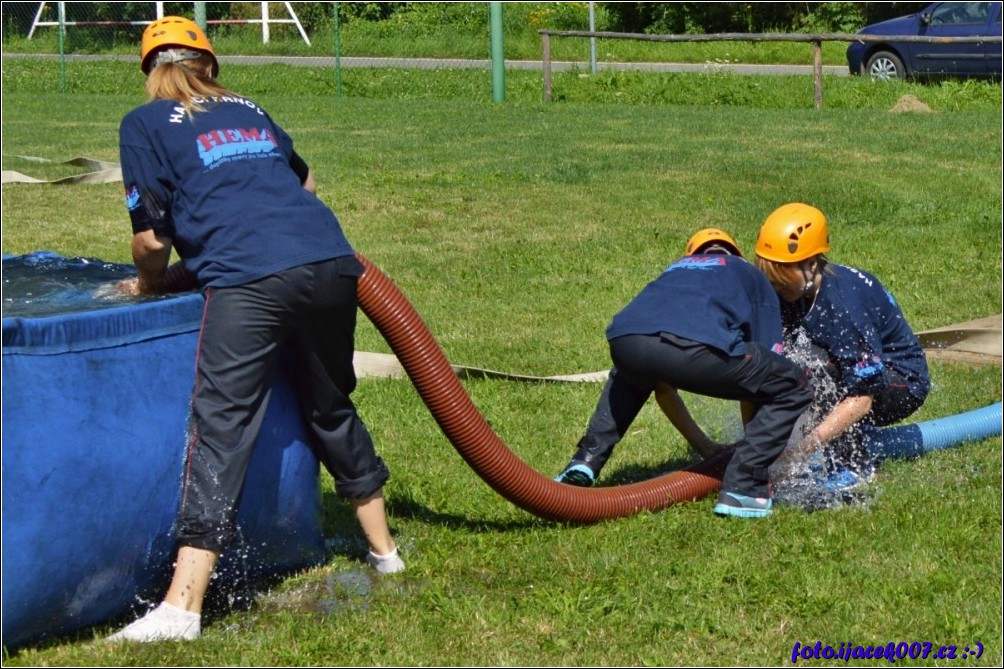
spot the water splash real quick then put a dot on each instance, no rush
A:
(45, 283)
(333, 591)
(842, 472)
(346, 591)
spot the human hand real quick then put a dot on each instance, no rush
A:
(391, 563)
(809, 446)
(128, 286)
(798, 453)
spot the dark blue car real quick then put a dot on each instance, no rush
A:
(891, 59)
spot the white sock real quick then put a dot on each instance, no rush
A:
(391, 563)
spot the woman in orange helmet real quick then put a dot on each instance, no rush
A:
(208, 173)
(870, 355)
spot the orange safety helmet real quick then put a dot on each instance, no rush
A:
(173, 31)
(792, 233)
(707, 235)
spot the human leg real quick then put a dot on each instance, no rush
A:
(779, 389)
(324, 339)
(673, 407)
(775, 385)
(179, 616)
(372, 516)
(235, 359)
(619, 403)
(193, 569)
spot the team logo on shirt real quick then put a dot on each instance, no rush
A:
(697, 262)
(132, 197)
(225, 145)
(868, 365)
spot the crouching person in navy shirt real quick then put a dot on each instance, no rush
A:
(710, 324)
(210, 174)
(867, 366)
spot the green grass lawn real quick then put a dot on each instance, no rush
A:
(517, 231)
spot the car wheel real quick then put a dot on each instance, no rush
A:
(885, 65)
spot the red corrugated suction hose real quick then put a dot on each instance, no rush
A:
(480, 447)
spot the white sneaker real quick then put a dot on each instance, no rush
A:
(164, 623)
(391, 563)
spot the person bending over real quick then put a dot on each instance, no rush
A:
(208, 172)
(710, 324)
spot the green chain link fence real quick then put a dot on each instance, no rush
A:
(295, 33)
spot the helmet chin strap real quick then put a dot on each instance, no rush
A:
(808, 279)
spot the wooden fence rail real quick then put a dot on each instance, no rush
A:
(815, 39)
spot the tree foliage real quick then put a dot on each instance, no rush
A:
(638, 17)
(750, 17)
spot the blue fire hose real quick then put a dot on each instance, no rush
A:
(903, 441)
(916, 439)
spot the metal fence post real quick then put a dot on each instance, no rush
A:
(61, 12)
(545, 51)
(498, 52)
(265, 33)
(592, 40)
(338, 53)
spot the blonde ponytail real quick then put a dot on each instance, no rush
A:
(185, 82)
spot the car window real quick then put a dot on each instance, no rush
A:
(956, 13)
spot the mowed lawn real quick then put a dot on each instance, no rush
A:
(517, 231)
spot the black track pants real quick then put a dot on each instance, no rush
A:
(777, 386)
(313, 309)
(619, 404)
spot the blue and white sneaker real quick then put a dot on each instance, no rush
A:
(577, 474)
(841, 479)
(741, 506)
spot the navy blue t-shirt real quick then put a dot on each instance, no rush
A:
(718, 300)
(862, 329)
(219, 183)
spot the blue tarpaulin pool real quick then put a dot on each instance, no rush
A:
(95, 409)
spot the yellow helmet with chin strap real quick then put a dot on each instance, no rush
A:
(792, 233)
(174, 32)
(710, 236)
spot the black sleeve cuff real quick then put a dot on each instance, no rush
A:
(299, 166)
